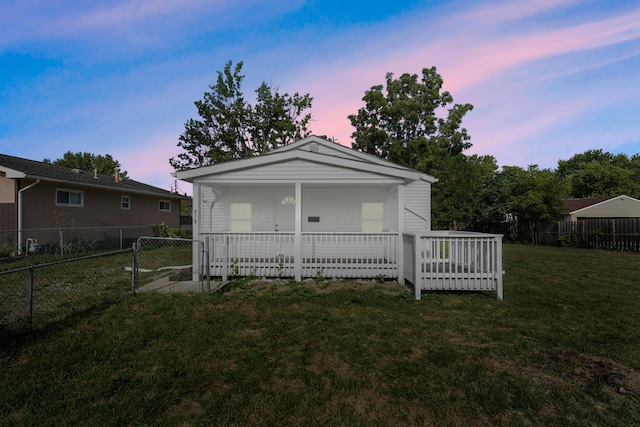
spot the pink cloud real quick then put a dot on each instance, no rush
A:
(148, 161)
(474, 59)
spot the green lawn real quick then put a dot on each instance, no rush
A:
(561, 349)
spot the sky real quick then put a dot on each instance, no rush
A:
(547, 78)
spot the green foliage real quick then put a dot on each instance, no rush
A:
(528, 195)
(569, 239)
(162, 230)
(400, 123)
(412, 122)
(595, 173)
(231, 128)
(89, 162)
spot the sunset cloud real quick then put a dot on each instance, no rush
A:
(547, 78)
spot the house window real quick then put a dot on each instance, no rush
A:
(66, 197)
(125, 202)
(240, 217)
(288, 200)
(372, 217)
(165, 205)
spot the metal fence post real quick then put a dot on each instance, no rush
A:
(134, 269)
(30, 302)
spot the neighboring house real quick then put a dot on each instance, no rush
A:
(315, 208)
(601, 207)
(37, 195)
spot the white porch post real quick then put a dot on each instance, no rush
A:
(498, 243)
(297, 238)
(417, 269)
(197, 229)
(400, 232)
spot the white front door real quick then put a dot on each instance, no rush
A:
(285, 212)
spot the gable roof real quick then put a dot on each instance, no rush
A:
(19, 168)
(303, 149)
(574, 206)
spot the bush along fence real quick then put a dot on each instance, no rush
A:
(621, 234)
(39, 292)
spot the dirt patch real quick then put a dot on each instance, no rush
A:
(261, 286)
(590, 371)
(185, 407)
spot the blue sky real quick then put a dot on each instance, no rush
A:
(548, 79)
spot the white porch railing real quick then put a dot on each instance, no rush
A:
(450, 260)
(350, 255)
(437, 260)
(331, 255)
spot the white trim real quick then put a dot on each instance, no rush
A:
(128, 208)
(360, 161)
(12, 173)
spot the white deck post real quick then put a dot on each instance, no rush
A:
(498, 241)
(297, 238)
(417, 267)
(400, 231)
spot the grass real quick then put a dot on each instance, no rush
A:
(561, 349)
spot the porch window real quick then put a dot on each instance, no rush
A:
(125, 202)
(66, 197)
(240, 217)
(372, 217)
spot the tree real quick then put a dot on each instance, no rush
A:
(526, 196)
(89, 162)
(412, 122)
(231, 128)
(595, 173)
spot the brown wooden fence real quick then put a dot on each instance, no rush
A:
(621, 234)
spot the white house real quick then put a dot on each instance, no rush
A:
(315, 208)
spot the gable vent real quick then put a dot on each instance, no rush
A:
(314, 147)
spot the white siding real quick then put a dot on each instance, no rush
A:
(417, 214)
(340, 209)
(302, 171)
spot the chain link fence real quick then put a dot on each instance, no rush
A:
(170, 260)
(39, 291)
(69, 240)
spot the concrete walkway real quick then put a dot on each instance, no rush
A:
(165, 286)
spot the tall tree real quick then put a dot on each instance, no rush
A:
(412, 122)
(89, 162)
(231, 128)
(596, 173)
(532, 194)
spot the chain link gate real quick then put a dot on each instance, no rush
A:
(159, 256)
